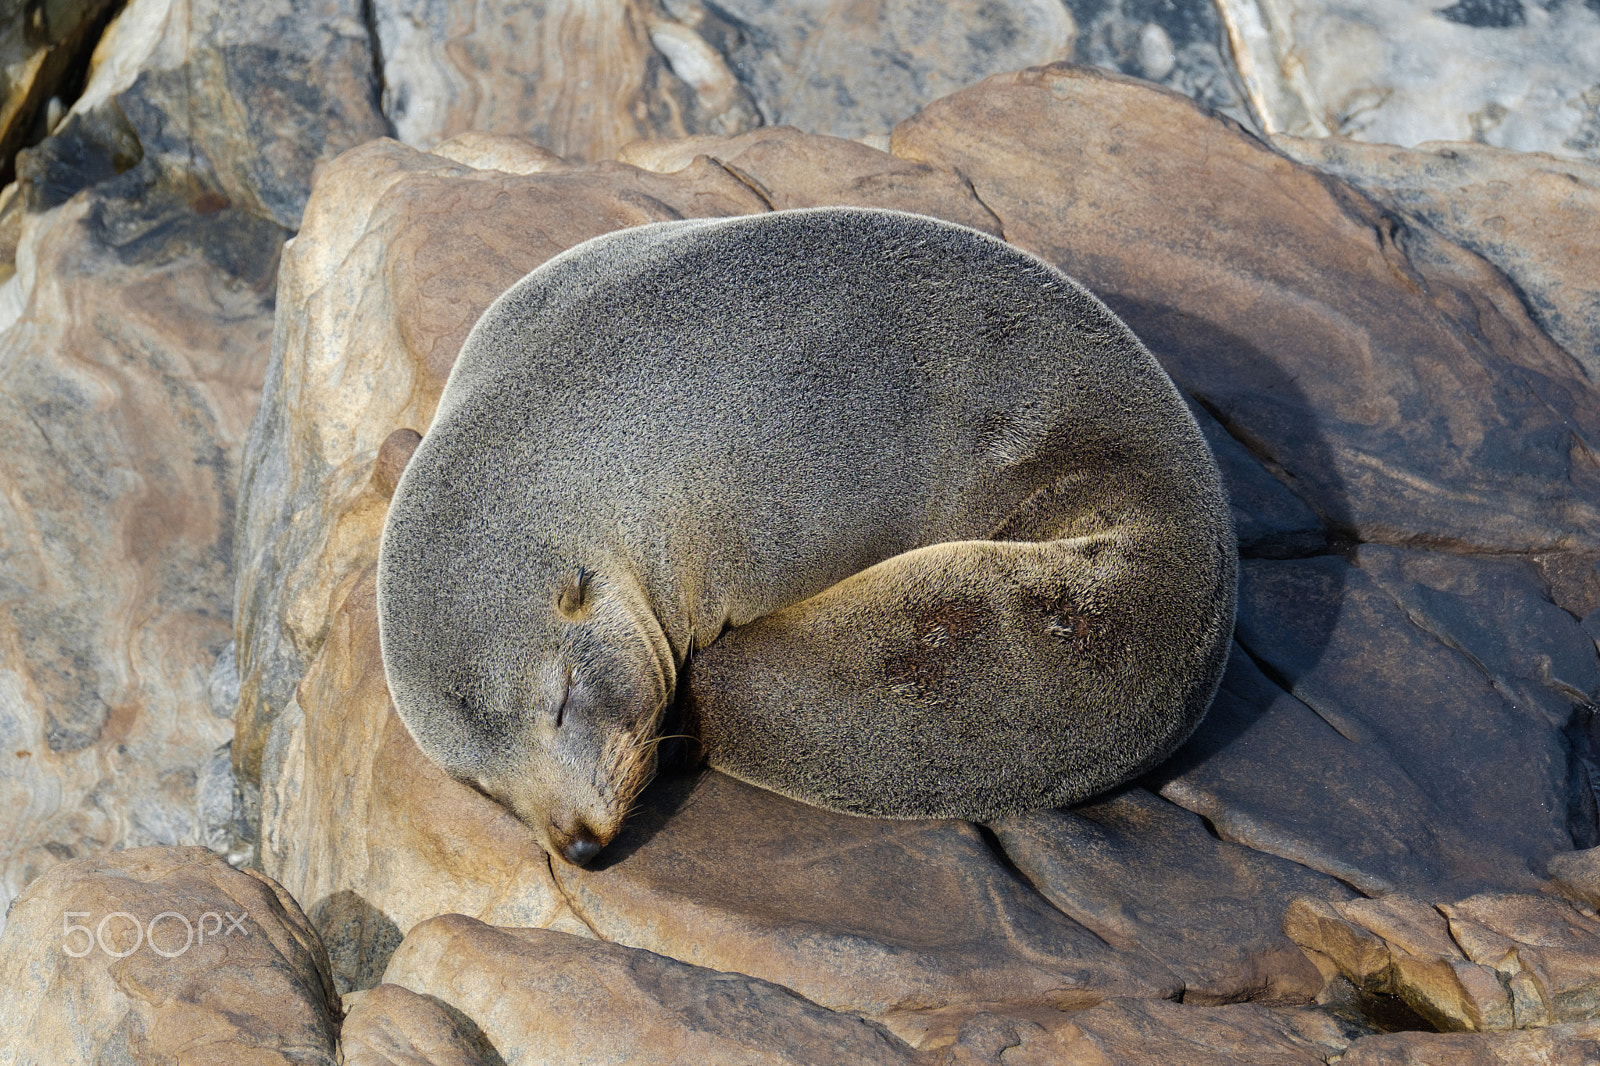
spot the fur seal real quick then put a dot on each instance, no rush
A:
(905, 521)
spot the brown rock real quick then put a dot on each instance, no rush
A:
(1408, 924)
(1143, 873)
(1401, 755)
(1453, 995)
(1395, 377)
(1561, 1045)
(151, 955)
(1556, 943)
(866, 915)
(1525, 212)
(583, 1001)
(1146, 1032)
(1361, 956)
(1578, 874)
(393, 1026)
(135, 332)
(789, 169)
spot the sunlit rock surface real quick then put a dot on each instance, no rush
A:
(1522, 74)
(163, 955)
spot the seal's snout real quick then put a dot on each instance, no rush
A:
(584, 846)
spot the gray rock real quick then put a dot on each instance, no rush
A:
(854, 70)
(1521, 74)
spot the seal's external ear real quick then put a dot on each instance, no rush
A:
(393, 455)
(574, 594)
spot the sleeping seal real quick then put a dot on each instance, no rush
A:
(902, 519)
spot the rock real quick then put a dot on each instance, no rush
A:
(134, 334)
(1403, 74)
(1397, 380)
(1578, 874)
(38, 43)
(1146, 1032)
(579, 79)
(393, 1026)
(1418, 697)
(856, 70)
(154, 953)
(1561, 1045)
(881, 918)
(236, 105)
(1181, 45)
(788, 169)
(1143, 873)
(1555, 943)
(1362, 956)
(583, 1001)
(131, 375)
(1491, 962)
(1525, 212)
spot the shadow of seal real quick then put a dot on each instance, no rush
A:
(904, 520)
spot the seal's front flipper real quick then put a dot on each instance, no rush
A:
(971, 678)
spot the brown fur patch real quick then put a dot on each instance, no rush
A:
(940, 629)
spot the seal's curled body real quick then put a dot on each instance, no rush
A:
(938, 531)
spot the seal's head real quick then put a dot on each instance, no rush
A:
(536, 673)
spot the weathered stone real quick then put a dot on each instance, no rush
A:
(866, 915)
(1556, 943)
(1410, 925)
(1182, 45)
(134, 334)
(1146, 1032)
(162, 955)
(393, 1026)
(1397, 762)
(130, 376)
(581, 79)
(1526, 212)
(1362, 956)
(855, 70)
(38, 43)
(235, 105)
(788, 169)
(1452, 994)
(1562, 1045)
(1406, 73)
(584, 1001)
(1143, 873)
(1578, 874)
(1393, 378)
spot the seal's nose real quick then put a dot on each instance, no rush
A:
(583, 848)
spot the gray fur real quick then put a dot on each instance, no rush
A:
(934, 533)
